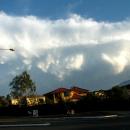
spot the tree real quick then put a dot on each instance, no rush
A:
(118, 93)
(3, 101)
(22, 85)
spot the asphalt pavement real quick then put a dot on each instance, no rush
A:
(102, 122)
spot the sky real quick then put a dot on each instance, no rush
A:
(64, 43)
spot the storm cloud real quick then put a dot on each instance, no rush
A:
(64, 52)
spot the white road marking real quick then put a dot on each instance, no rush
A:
(25, 125)
(110, 116)
(92, 117)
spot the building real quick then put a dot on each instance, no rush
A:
(35, 100)
(29, 101)
(15, 101)
(73, 94)
(62, 94)
(58, 95)
(100, 93)
(77, 93)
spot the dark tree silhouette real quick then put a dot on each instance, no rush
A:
(22, 85)
(118, 93)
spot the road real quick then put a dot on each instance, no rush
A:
(68, 123)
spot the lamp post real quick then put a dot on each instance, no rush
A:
(7, 49)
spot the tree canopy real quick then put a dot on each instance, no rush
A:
(119, 93)
(22, 85)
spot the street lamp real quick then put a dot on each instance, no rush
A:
(11, 49)
(7, 49)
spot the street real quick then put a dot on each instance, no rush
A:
(68, 123)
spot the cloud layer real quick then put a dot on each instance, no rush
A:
(63, 52)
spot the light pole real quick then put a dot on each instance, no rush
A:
(7, 49)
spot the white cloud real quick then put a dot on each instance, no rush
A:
(74, 62)
(45, 44)
(45, 65)
(61, 67)
(119, 61)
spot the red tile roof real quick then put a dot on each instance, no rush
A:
(60, 90)
(78, 90)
